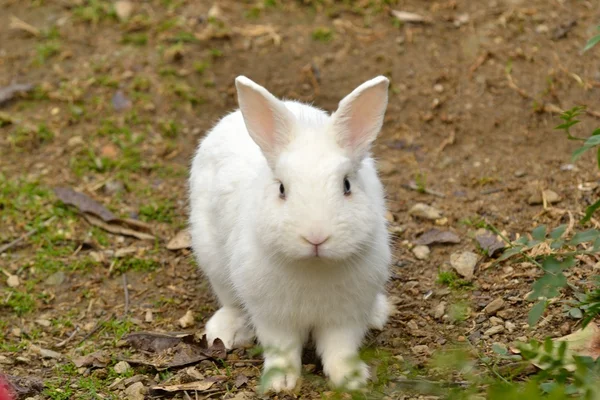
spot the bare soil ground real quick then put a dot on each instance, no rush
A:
(118, 106)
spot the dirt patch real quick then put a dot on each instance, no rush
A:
(120, 101)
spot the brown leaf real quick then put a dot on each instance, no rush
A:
(434, 236)
(199, 386)
(117, 229)
(97, 359)
(84, 203)
(583, 342)
(7, 93)
(173, 350)
(182, 240)
(488, 241)
(240, 380)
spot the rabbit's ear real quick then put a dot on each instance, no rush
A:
(267, 119)
(359, 117)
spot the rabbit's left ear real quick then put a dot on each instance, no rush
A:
(269, 122)
(359, 117)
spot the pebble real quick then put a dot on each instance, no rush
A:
(438, 88)
(43, 322)
(496, 321)
(510, 327)
(494, 306)
(50, 354)
(13, 281)
(551, 197)
(439, 310)
(5, 360)
(494, 330)
(187, 320)
(122, 367)
(123, 9)
(149, 317)
(520, 173)
(55, 279)
(421, 252)
(542, 28)
(75, 141)
(112, 187)
(135, 391)
(464, 263)
(422, 349)
(425, 211)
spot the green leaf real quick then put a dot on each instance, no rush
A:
(510, 252)
(598, 157)
(567, 125)
(596, 246)
(558, 232)
(579, 152)
(590, 211)
(586, 236)
(592, 141)
(591, 43)
(539, 233)
(536, 312)
(575, 313)
(557, 244)
(551, 265)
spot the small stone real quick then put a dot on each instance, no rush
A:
(464, 263)
(16, 332)
(541, 28)
(55, 279)
(569, 167)
(438, 88)
(13, 281)
(421, 252)
(551, 197)
(439, 310)
(422, 349)
(50, 354)
(187, 320)
(421, 210)
(112, 187)
(75, 141)
(135, 391)
(520, 173)
(494, 330)
(510, 327)
(43, 322)
(494, 306)
(123, 9)
(122, 367)
(496, 321)
(5, 360)
(149, 317)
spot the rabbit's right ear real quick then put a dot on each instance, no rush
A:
(267, 119)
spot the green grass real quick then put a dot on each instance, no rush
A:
(452, 280)
(46, 50)
(322, 34)
(94, 11)
(20, 303)
(23, 138)
(160, 211)
(136, 264)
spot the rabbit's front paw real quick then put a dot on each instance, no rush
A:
(231, 326)
(279, 375)
(350, 374)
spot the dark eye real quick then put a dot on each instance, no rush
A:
(346, 187)
(281, 191)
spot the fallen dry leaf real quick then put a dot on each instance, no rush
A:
(187, 320)
(19, 24)
(240, 380)
(182, 240)
(84, 203)
(97, 359)
(199, 386)
(434, 236)
(489, 242)
(8, 92)
(117, 229)
(583, 342)
(405, 16)
(163, 351)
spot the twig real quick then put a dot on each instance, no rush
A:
(25, 236)
(67, 340)
(96, 328)
(478, 63)
(187, 396)
(492, 190)
(126, 292)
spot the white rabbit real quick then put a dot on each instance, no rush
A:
(288, 224)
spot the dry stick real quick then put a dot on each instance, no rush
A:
(25, 236)
(126, 291)
(96, 328)
(67, 340)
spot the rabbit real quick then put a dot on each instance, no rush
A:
(287, 220)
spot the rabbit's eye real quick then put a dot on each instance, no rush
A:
(281, 191)
(346, 187)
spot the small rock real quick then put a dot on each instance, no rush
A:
(520, 173)
(6, 361)
(412, 325)
(55, 279)
(439, 310)
(421, 210)
(112, 187)
(149, 317)
(488, 241)
(16, 332)
(75, 141)
(421, 252)
(494, 330)
(187, 320)
(435, 236)
(421, 350)
(464, 263)
(542, 28)
(13, 281)
(510, 327)
(135, 391)
(494, 306)
(551, 197)
(50, 354)
(122, 367)
(43, 322)
(496, 321)
(569, 167)
(123, 9)
(438, 88)
(120, 101)
(182, 240)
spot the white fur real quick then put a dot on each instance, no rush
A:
(254, 246)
